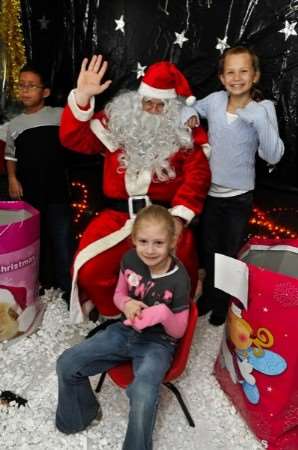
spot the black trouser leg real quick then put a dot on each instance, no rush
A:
(223, 230)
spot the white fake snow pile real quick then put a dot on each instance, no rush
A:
(28, 369)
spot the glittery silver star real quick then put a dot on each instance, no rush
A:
(43, 22)
(180, 38)
(120, 24)
(288, 30)
(140, 70)
(222, 44)
(265, 309)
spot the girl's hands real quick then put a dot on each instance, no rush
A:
(133, 309)
(90, 79)
(153, 315)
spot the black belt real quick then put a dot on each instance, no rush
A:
(132, 205)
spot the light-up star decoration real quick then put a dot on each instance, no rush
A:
(140, 70)
(43, 22)
(288, 30)
(180, 38)
(120, 24)
(222, 44)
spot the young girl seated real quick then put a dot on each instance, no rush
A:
(153, 294)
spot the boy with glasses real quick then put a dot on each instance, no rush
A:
(36, 167)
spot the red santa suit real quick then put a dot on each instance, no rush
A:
(97, 263)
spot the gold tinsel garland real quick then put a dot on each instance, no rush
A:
(13, 51)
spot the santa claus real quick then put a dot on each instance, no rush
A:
(148, 158)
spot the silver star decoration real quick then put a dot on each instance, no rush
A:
(265, 309)
(180, 38)
(120, 24)
(140, 70)
(222, 44)
(43, 22)
(288, 30)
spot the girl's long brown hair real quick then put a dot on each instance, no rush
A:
(256, 93)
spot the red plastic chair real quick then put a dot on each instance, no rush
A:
(122, 374)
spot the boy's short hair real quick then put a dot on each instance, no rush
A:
(30, 67)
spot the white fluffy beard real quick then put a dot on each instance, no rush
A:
(148, 140)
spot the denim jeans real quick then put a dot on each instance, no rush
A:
(151, 357)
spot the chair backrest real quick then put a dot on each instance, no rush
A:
(122, 375)
(182, 353)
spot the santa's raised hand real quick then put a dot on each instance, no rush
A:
(90, 80)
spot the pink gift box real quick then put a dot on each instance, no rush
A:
(20, 308)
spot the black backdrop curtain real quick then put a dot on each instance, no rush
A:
(59, 33)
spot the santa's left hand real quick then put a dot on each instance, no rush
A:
(150, 316)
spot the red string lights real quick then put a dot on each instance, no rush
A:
(264, 222)
(80, 206)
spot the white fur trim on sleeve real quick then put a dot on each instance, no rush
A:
(87, 253)
(10, 158)
(103, 134)
(183, 212)
(80, 114)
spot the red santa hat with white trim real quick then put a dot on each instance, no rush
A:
(8, 298)
(163, 80)
(15, 298)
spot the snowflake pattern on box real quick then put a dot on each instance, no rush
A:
(291, 417)
(286, 294)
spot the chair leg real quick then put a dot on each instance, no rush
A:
(181, 402)
(100, 382)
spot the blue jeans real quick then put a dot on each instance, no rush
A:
(151, 357)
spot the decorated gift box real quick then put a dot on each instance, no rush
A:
(258, 361)
(20, 308)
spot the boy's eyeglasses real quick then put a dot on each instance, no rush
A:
(29, 87)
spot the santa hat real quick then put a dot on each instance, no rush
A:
(15, 297)
(8, 298)
(163, 80)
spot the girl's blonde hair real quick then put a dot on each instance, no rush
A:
(154, 213)
(256, 94)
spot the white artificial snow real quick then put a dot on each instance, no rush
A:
(28, 369)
